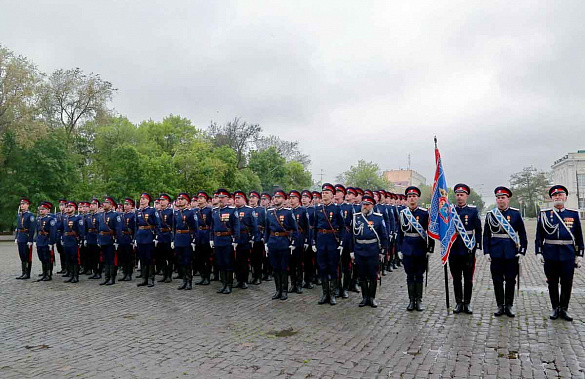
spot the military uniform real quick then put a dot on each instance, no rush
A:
(164, 256)
(370, 241)
(72, 234)
(24, 237)
(247, 238)
(559, 244)
(225, 226)
(504, 252)
(257, 253)
(185, 228)
(46, 237)
(461, 257)
(91, 239)
(62, 259)
(330, 234)
(308, 255)
(203, 249)
(414, 245)
(109, 226)
(345, 272)
(279, 233)
(125, 238)
(146, 224)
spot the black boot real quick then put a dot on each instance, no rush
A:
(49, 273)
(44, 274)
(411, 297)
(459, 307)
(183, 285)
(353, 287)
(67, 271)
(325, 287)
(293, 281)
(278, 287)
(565, 315)
(144, 276)
(332, 289)
(113, 274)
(141, 275)
(499, 292)
(151, 276)
(467, 308)
(419, 293)
(365, 300)
(284, 284)
(300, 281)
(106, 275)
(203, 277)
(162, 269)
(23, 270)
(509, 309)
(75, 275)
(500, 311)
(345, 287)
(189, 275)
(27, 270)
(223, 279)
(373, 284)
(230, 282)
(555, 313)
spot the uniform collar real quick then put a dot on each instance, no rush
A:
(462, 206)
(559, 210)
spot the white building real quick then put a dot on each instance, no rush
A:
(569, 171)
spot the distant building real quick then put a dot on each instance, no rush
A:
(404, 178)
(569, 171)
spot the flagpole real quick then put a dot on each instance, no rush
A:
(445, 268)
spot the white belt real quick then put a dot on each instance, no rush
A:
(558, 242)
(366, 242)
(500, 235)
(412, 235)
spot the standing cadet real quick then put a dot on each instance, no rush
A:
(225, 227)
(346, 261)
(559, 246)
(504, 244)
(125, 248)
(184, 238)
(83, 250)
(24, 236)
(355, 199)
(308, 259)
(316, 199)
(203, 249)
(392, 230)
(462, 255)
(109, 225)
(245, 240)
(72, 232)
(91, 239)
(46, 236)
(370, 242)
(146, 222)
(279, 234)
(257, 254)
(265, 200)
(414, 246)
(59, 216)
(301, 242)
(330, 234)
(164, 256)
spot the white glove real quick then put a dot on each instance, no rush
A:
(211, 243)
(15, 240)
(292, 248)
(519, 257)
(252, 243)
(85, 243)
(52, 246)
(578, 261)
(352, 255)
(193, 246)
(314, 248)
(488, 257)
(340, 248)
(155, 243)
(428, 255)
(266, 249)
(541, 258)
(235, 244)
(29, 244)
(400, 256)
(380, 257)
(134, 243)
(172, 245)
(116, 246)
(306, 246)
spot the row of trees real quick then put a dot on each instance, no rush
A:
(59, 138)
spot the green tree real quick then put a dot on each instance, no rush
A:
(366, 175)
(270, 167)
(529, 186)
(237, 135)
(296, 176)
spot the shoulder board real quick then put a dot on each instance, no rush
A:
(288, 209)
(215, 208)
(270, 209)
(377, 214)
(423, 209)
(515, 209)
(472, 206)
(231, 207)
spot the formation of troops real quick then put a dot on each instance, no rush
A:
(343, 239)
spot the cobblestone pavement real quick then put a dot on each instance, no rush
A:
(54, 329)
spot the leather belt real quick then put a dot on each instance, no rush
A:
(148, 227)
(127, 233)
(279, 234)
(326, 231)
(22, 230)
(558, 242)
(91, 230)
(204, 228)
(165, 230)
(366, 242)
(500, 235)
(182, 231)
(43, 233)
(222, 234)
(70, 233)
(110, 233)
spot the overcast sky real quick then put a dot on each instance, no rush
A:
(501, 84)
